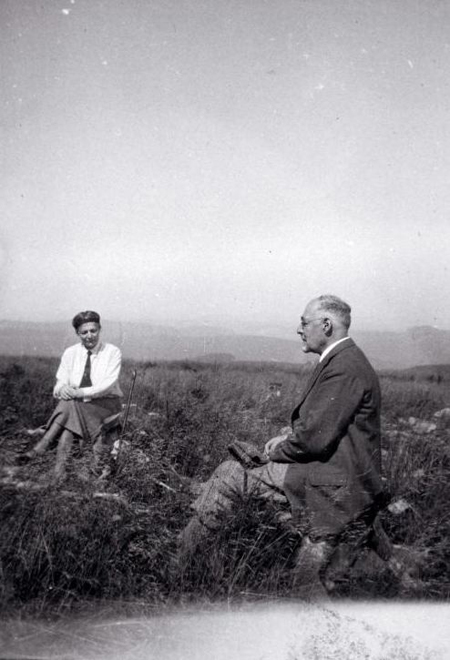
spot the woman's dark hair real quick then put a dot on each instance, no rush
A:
(85, 317)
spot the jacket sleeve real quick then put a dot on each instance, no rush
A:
(324, 418)
(109, 377)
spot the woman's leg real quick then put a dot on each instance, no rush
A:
(51, 434)
(64, 448)
(48, 438)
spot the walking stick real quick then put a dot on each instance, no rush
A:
(127, 412)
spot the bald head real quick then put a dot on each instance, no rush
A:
(338, 310)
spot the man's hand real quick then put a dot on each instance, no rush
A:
(67, 393)
(273, 442)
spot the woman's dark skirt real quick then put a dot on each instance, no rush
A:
(84, 418)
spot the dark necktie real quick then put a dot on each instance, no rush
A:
(86, 380)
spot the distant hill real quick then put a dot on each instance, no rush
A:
(143, 341)
(400, 350)
(432, 373)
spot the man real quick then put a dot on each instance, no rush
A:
(333, 453)
(328, 464)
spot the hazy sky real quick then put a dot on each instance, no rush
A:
(225, 160)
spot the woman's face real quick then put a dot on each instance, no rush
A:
(89, 333)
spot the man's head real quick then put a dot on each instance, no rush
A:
(326, 319)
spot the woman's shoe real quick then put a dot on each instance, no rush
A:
(35, 433)
(23, 459)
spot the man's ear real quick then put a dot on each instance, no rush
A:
(328, 326)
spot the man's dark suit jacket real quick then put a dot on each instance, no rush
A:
(334, 452)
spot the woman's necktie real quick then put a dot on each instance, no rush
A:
(86, 380)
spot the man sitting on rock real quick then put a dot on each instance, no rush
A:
(328, 463)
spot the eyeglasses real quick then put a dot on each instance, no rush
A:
(304, 324)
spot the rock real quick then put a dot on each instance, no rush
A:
(399, 506)
(443, 414)
(442, 418)
(421, 426)
(121, 445)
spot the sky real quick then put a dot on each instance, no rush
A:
(225, 161)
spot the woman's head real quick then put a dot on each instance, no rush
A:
(87, 326)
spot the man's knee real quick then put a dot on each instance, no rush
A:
(217, 493)
(228, 470)
(228, 477)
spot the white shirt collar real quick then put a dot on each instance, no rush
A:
(330, 348)
(94, 350)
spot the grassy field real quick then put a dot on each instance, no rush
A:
(62, 546)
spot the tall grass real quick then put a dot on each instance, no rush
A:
(60, 547)
(404, 397)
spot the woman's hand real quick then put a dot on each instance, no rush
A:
(67, 392)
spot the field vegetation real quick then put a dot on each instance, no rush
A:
(62, 546)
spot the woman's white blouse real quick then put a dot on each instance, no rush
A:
(106, 361)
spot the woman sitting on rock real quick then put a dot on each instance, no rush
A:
(87, 387)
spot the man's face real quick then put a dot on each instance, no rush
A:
(311, 329)
(89, 333)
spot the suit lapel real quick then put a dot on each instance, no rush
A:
(308, 387)
(311, 380)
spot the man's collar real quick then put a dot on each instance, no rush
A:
(330, 348)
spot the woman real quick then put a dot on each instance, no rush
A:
(87, 386)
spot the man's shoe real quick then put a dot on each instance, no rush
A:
(406, 565)
(311, 561)
(190, 539)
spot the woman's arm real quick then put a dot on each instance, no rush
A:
(63, 376)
